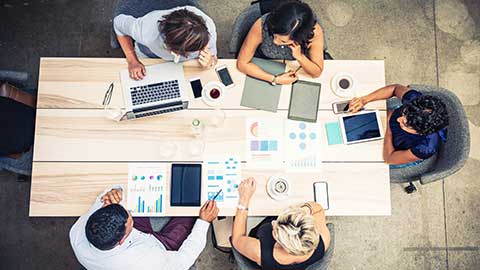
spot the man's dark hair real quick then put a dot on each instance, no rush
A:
(292, 18)
(106, 227)
(184, 31)
(426, 114)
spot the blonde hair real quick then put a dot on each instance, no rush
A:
(296, 232)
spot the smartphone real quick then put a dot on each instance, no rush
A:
(341, 106)
(320, 193)
(196, 87)
(224, 76)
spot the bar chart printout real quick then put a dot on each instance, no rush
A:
(146, 189)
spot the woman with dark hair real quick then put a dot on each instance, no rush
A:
(289, 32)
(416, 126)
(176, 34)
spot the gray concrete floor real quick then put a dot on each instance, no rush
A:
(430, 41)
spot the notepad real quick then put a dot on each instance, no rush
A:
(334, 135)
(260, 94)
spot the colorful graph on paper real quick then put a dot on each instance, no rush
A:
(146, 189)
(223, 173)
(264, 142)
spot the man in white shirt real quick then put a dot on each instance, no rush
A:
(106, 237)
(176, 34)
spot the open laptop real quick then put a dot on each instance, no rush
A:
(162, 90)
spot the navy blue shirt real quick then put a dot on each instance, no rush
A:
(422, 146)
(17, 121)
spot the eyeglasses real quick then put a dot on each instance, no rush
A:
(108, 96)
(111, 113)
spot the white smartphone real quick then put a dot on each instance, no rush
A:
(320, 193)
(340, 106)
(224, 76)
(197, 87)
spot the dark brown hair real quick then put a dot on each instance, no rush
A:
(184, 31)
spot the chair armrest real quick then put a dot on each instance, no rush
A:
(14, 76)
(9, 91)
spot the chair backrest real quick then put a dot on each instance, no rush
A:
(327, 258)
(452, 154)
(242, 25)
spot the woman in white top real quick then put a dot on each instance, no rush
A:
(176, 34)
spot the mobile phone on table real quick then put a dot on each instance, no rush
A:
(224, 76)
(197, 87)
(320, 193)
(341, 106)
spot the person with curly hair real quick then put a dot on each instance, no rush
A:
(415, 127)
(290, 32)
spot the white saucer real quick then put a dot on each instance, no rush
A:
(206, 97)
(337, 90)
(272, 181)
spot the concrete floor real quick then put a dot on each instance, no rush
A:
(429, 41)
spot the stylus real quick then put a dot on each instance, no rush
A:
(216, 195)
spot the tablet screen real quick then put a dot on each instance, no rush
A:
(361, 127)
(304, 101)
(186, 185)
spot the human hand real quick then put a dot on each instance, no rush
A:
(113, 196)
(206, 59)
(356, 104)
(136, 70)
(209, 211)
(296, 50)
(246, 190)
(286, 78)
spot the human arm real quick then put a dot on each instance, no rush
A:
(247, 246)
(247, 51)
(383, 93)
(127, 29)
(312, 65)
(191, 248)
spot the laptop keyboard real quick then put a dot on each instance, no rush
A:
(155, 92)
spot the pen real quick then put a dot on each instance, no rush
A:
(216, 195)
(297, 70)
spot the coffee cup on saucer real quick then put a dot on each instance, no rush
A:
(342, 85)
(213, 93)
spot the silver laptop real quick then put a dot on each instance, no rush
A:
(162, 90)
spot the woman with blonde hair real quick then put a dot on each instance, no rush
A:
(296, 239)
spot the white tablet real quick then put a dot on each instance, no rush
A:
(361, 127)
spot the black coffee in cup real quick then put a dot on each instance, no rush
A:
(214, 93)
(344, 83)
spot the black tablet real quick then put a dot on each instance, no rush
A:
(304, 101)
(186, 183)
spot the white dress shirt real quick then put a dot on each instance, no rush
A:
(145, 30)
(139, 251)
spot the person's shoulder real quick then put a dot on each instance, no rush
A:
(410, 95)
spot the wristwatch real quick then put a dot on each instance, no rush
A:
(242, 207)
(273, 82)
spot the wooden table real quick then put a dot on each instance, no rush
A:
(78, 152)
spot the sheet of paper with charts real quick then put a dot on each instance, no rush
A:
(146, 188)
(264, 147)
(223, 173)
(302, 146)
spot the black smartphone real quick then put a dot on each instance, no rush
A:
(186, 185)
(224, 76)
(320, 193)
(197, 87)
